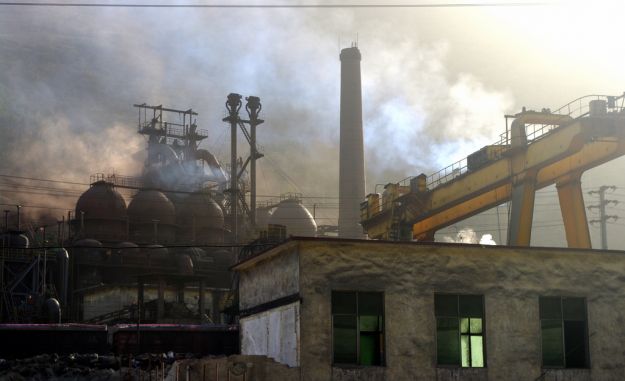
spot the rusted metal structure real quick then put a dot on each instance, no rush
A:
(241, 217)
(540, 149)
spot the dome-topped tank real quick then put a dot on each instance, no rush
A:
(200, 219)
(152, 217)
(102, 210)
(297, 219)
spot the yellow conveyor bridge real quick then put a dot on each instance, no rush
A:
(539, 149)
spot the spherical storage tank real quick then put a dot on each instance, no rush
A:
(152, 218)
(297, 219)
(102, 211)
(200, 219)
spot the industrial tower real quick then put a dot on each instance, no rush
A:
(352, 160)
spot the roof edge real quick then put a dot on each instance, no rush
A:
(266, 254)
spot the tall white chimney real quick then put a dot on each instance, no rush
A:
(352, 158)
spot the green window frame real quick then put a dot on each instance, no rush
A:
(358, 328)
(460, 330)
(564, 332)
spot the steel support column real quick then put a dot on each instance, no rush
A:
(573, 212)
(253, 108)
(233, 104)
(522, 212)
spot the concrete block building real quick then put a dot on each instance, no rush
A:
(376, 310)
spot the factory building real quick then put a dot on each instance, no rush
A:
(349, 308)
(160, 250)
(379, 310)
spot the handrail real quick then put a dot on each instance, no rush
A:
(117, 180)
(576, 109)
(168, 130)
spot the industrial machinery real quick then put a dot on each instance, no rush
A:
(539, 149)
(183, 210)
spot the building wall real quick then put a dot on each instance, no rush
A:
(270, 280)
(511, 281)
(273, 333)
(271, 330)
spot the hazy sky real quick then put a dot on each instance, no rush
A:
(436, 84)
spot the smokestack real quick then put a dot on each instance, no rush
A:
(352, 160)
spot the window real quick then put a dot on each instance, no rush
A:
(460, 330)
(564, 332)
(358, 327)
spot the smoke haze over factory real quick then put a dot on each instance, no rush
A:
(436, 83)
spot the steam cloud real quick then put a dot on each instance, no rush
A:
(468, 235)
(69, 77)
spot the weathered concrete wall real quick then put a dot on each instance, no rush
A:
(270, 280)
(273, 333)
(232, 368)
(511, 281)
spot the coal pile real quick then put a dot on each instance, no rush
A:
(87, 367)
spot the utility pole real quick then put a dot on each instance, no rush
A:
(603, 217)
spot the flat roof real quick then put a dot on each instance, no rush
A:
(292, 242)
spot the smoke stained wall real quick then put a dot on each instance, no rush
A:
(352, 160)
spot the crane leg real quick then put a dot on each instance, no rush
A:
(522, 212)
(425, 237)
(574, 212)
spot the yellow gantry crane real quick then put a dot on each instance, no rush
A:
(539, 149)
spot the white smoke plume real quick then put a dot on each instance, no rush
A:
(69, 77)
(468, 235)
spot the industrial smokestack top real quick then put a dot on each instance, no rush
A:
(352, 160)
(351, 54)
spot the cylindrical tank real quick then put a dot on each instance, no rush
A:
(129, 252)
(297, 219)
(200, 219)
(89, 249)
(101, 213)
(62, 262)
(198, 255)
(158, 256)
(51, 311)
(152, 218)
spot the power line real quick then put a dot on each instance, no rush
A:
(38, 179)
(278, 6)
(39, 207)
